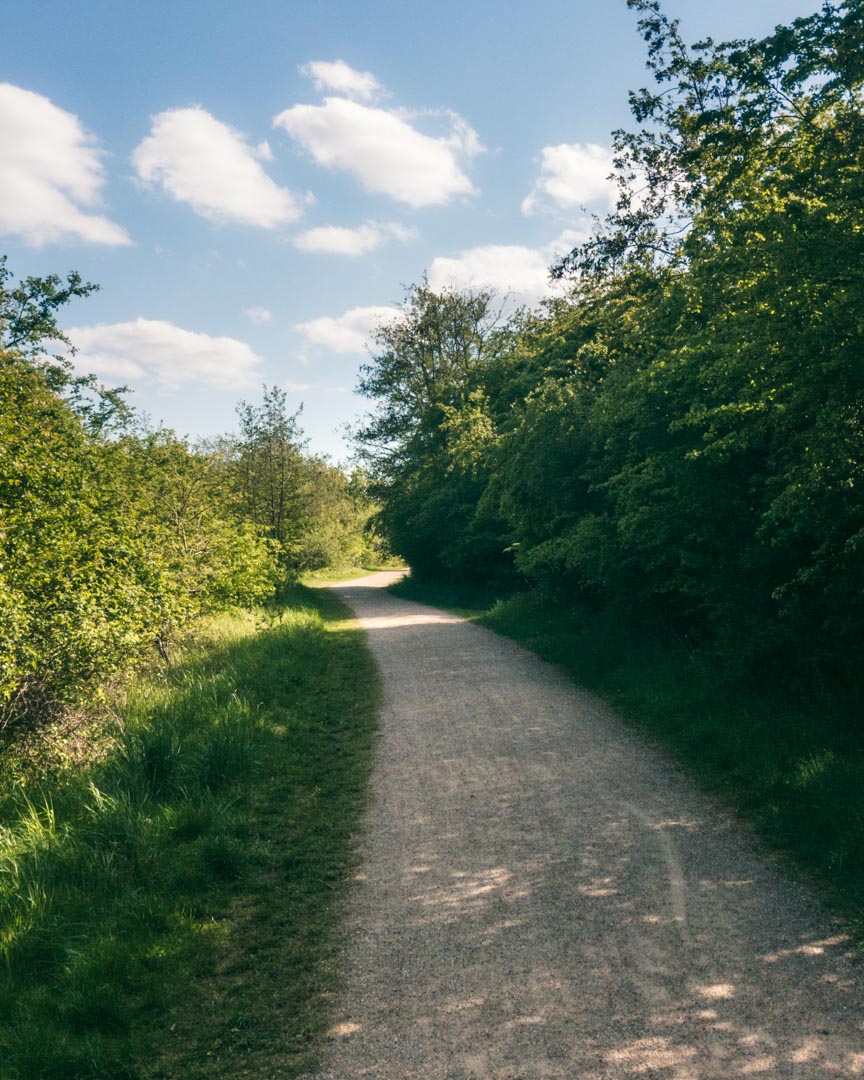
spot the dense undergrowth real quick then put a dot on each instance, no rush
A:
(115, 537)
(789, 761)
(168, 896)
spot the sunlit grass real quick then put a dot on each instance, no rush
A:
(344, 573)
(186, 873)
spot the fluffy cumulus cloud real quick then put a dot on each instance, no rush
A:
(339, 240)
(572, 174)
(201, 161)
(343, 80)
(51, 174)
(350, 332)
(150, 350)
(520, 273)
(384, 150)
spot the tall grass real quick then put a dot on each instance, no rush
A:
(210, 822)
(789, 762)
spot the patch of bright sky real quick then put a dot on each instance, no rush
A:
(253, 185)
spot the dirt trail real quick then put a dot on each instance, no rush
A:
(543, 896)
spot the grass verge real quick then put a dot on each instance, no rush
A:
(315, 578)
(789, 764)
(169, 907)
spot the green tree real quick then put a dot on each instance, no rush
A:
(425, 441)
(111, 538)
(683, 435)
(72, 596)
(724, 443)
(271, 474)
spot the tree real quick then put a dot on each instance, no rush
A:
(429, 356)
(683, 436)
(270, 472)
(337, 513)
(111, 538)
(423, 443)
(28, 310)
(727, 442)
(722, 115)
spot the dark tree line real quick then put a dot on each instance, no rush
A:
(682, 437)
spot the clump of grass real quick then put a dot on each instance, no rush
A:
(188, 875)
(791, 765)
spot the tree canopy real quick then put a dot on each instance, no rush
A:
(682, 436)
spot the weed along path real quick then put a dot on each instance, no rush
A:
(542, 895)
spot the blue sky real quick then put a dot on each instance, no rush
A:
(254, 184)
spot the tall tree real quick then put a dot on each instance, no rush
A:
(422, 441)
(271, 472)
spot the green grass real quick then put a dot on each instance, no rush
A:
(789, 762)
(314, 578)
(169, 901)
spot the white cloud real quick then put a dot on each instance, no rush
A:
(337, 76)
(49, 169)
(403, 233)
(153, 350)
(508, 269)
(573, 174)
(258, 315)
(384, 151)
(569, 239)
(349, 332)
(338, 240)
(201, 161)
(297, 387)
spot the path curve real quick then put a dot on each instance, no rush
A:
(542, 895)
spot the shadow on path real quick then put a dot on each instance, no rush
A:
(542, 895)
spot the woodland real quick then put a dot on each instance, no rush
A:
(679, 437)
(655, 479)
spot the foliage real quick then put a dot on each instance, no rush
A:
(110, 546)
(211, 821)
(315, 515)
(115, 538)
(28, 325)
(28, 309)
(724, 119)
(682, 438)
(209, 556)
(338, 518)
(425, 445)
(268, 464)
(64, 618)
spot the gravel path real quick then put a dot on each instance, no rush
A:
(543, 896)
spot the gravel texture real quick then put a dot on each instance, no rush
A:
(543, 895)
